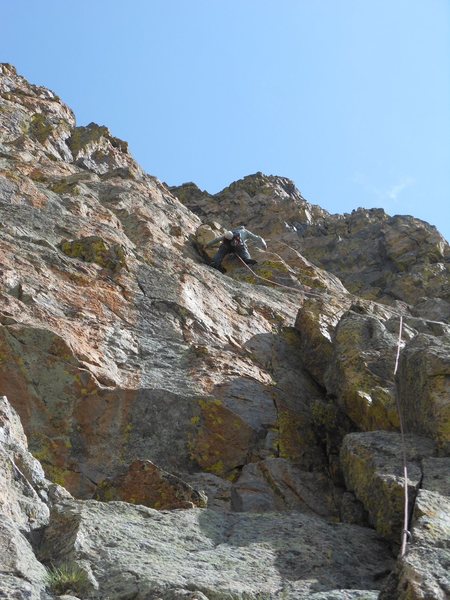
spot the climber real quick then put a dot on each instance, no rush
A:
(234, 242)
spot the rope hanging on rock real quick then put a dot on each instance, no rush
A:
(405, 533)
(286, 287)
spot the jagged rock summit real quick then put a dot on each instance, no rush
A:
(254, 414)
(387, 259)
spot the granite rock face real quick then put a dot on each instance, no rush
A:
(144, 483)
(142, 553)
(424, 570)
(141, 374)
(372, 470)
(389, 259)
(424, 387)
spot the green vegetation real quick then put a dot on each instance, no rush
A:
(68, 577)
(92, 134)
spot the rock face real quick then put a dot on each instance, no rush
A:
(141, 553)
(424, 387)
(378, 257)
(25, 498)
(141, 374)
(372, 470)
(144, 483)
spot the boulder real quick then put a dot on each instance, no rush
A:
(361, 373)
(424, 387)
(423, 572)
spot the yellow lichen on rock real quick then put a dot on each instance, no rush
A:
(295, 435)
(220, 439)
(95, 249)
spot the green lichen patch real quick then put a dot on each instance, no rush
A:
(39, 128)
(95, 250)
(63, 187)
(92, 135)
(220, 440)
(275, 265)
(295, 435)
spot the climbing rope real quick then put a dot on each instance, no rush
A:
(320, 295)
(405, 533)
(292, 289)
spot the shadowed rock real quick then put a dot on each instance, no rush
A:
(424, 387)
(145, 483)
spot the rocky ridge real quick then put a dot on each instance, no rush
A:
(394, 260)
(141, 374)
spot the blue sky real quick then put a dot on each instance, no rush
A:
(348, 98)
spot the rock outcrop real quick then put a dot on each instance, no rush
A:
(25, 500)
(144, 483)
(142, 553)
(388, 259)
(265, 398)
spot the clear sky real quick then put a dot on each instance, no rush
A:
(348, 98)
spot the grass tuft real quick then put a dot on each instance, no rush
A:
(68, 577)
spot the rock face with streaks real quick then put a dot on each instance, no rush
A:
(266, 398)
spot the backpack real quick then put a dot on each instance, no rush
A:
(236, 242)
